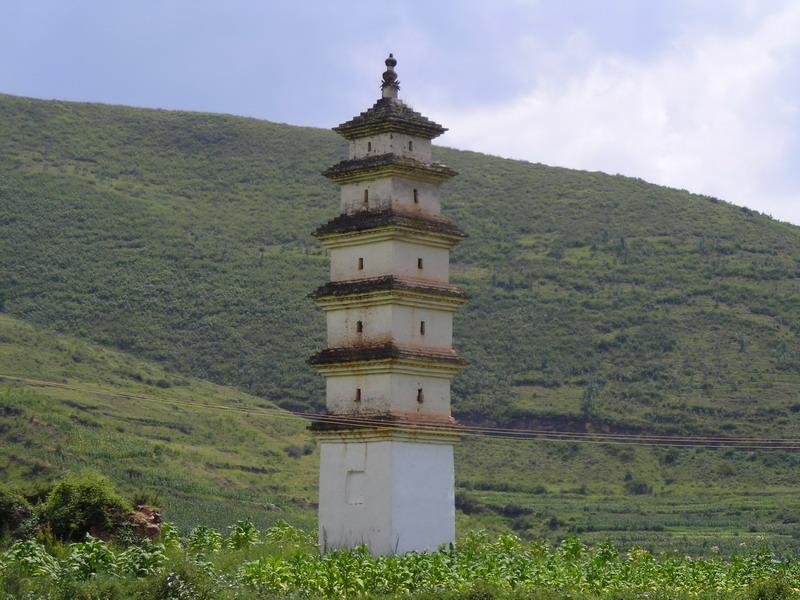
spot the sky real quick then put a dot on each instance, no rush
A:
(702, 95)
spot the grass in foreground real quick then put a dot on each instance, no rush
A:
(284, 562)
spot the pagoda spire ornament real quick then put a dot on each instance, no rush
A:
(386, 453)
(390, 86)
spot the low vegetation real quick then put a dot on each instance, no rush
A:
(283, 562)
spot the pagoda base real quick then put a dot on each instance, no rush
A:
(391, 491)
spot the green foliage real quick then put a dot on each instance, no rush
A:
(477, 567)
(142, 560)
(88, 558)
(170, 536)
(203, 540)
(84, 504)
(243, 534)
(14, 509)
(284, 535)
(30, 559)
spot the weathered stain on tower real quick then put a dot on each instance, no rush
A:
(385, 479)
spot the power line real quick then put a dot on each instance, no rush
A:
(465, 430)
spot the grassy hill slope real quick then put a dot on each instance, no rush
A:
(184, 238)
(67, 405)
(598, 302)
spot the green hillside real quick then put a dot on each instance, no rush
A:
(185, 238)
(215, 455)
(66, 405)
(598, 303)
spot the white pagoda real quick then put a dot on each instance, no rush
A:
(386, 459)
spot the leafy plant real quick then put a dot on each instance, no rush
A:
(90, 557)
(84, 504)
(243, 534)
(143, 560)
(203, 540)
(32, 559)
(14, 509)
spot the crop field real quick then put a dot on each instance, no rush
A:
(283, 562)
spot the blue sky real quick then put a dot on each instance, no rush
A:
(702, 95)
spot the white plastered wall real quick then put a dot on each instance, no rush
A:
(390, 322)
(423, 500)
(395, 143)
(395, 192)
(388, 392)
(390, 257)
(394, 496)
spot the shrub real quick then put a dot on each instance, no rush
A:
(14, 509)
(468, 504)
(637, 488)
(84, 504)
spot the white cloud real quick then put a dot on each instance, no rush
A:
(715, 114)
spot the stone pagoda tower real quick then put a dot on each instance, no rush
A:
(386, 474)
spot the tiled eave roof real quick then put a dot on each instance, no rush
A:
(366, 219)
(369, 419)
(355, 287)
(387, 164)
(386, 351)
(390, 115)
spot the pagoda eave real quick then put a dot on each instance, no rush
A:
(427, 435)
(390, 115)
(404, 127)
(388, 290)
(386, 358)
(388, 165)
(388, 224)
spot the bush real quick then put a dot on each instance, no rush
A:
(14, 509)
(85, 504)
(637, 488)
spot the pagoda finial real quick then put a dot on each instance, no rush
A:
(390, 86)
